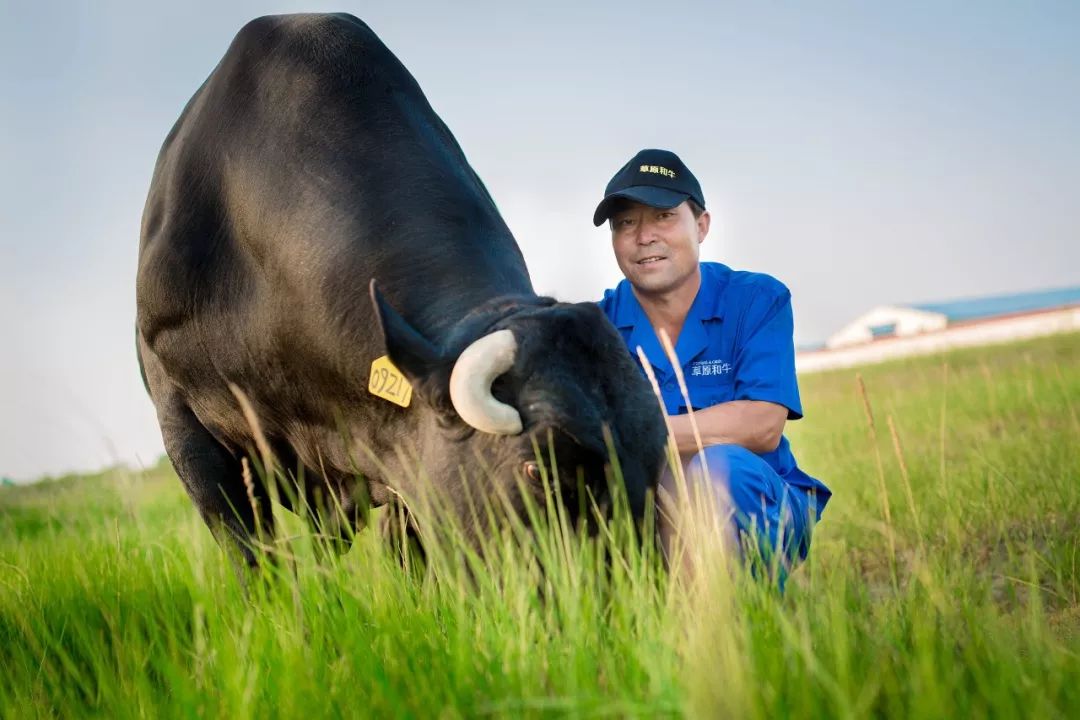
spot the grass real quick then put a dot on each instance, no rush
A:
(953, 593)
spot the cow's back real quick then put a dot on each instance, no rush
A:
(308, 163)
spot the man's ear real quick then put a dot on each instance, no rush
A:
(703, 225)
(410, 351)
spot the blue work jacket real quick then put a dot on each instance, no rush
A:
(736, 344)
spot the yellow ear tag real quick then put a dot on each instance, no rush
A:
(389, 383)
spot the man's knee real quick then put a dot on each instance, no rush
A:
(756, 493)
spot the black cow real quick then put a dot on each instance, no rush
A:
(308, 167)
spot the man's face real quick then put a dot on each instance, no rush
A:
(657, 250)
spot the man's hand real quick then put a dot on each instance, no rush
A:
(754, 424)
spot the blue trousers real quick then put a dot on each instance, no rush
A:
(767, 511)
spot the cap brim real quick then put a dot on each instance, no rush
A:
(644, 194)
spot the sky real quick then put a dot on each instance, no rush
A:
(862, 153)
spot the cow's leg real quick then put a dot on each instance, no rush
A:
(214, 479)
(332, 520)
(400, 531)
(212, 475)
(331, 515)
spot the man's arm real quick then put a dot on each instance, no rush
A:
(765, 386)
(754, 424)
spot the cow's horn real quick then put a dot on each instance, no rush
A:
(470, 384)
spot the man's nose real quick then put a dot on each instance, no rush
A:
(645, 234)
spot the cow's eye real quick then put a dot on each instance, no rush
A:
(532, 471)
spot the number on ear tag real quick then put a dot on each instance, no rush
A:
(389, 383)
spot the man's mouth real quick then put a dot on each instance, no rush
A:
(650, 259)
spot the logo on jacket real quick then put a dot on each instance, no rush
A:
(709, 367)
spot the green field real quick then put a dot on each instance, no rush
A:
(944, 582)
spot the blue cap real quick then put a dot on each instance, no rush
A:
(657, 178)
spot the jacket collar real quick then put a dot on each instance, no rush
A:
(694, 338)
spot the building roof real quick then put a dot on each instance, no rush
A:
(977, 308)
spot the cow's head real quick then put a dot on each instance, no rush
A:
(522, 378)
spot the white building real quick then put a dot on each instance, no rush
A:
(892, 331)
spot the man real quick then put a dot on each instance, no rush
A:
(732, 333)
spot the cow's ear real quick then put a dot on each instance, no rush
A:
(408, 349)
